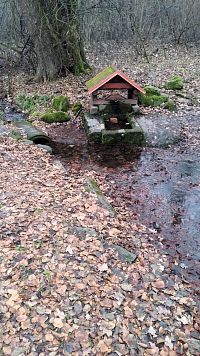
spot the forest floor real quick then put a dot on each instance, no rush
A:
(67, 287)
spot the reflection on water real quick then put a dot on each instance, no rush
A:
(172, 202)
(160, 186)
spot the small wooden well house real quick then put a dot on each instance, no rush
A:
(114, 83)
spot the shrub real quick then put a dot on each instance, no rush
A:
(61, 103)
(58, 116)
(170, 105)
(175, 83)
(152, 100)
(29, 103)
(151, 90)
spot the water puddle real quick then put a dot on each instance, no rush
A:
(160, 185)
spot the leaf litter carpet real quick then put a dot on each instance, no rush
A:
(64, 288)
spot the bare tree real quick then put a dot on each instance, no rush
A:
(47, 35)
(53, 27)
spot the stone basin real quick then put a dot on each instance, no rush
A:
(97, 132)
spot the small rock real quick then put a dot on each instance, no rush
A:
(4, 131)
(159, 284)
(18, 351)
(114, 120)
(41, 310)
(126, 287)
(125, 255)
(69, 347)
(78, 308)
(109, 316)
(136, 109)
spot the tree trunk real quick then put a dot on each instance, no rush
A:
(54, 28)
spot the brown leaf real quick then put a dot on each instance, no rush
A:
(49, 337)
(7, 350)
(103, 347)
(159, 284)
(57, 323)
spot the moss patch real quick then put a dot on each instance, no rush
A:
(99, 77)
(170, 105)
(61, 103)
(93, 187)
(16, 135)
(151, 90)
(152, 100)
(2, 115)
(175, 83)
(77, 107)
(58, 116)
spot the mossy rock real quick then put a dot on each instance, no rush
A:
(152, 100)
(77, 107)
(61, 103)
(170, 105)
(58, 116)
(175, 83)
(152, 90)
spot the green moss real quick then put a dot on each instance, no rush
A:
(29, 103)
(152, 100)
(77, 107)
(2, 115)
(170, 105)
(175, 83)
(61, 103)
(16, 135)
(151, 90)
(99, 77)
(93, 187)
(58, 116)
(194, 101)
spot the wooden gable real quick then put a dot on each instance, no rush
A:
(112, 79)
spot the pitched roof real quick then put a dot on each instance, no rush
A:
(105, 76)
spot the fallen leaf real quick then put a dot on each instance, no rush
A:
(159, 284)
(103, 267)
(57, 323)
(49, 337)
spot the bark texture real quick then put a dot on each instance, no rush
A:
(54, 28)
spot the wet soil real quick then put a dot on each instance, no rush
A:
(159, 184)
